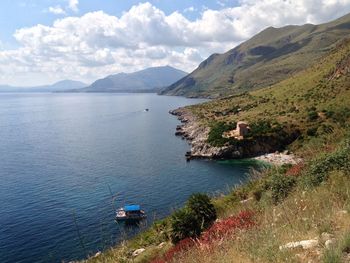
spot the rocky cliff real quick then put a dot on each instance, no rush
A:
(197, 134)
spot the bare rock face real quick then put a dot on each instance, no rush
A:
(196, 135)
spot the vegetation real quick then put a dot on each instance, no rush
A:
(197, 215)
(216, 131)
(283, 110)
(269, 57)
(307, 201)
(251, 229)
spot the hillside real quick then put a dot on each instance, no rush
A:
(292, 213)
(60, 86)
(269, 57)
(149, 79)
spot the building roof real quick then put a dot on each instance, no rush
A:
(130, 208)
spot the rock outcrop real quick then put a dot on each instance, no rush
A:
(197, 134)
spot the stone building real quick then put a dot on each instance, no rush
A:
(242, 129)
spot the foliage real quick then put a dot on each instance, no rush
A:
(280, 186)
(184, 224)
(320, 167)
(312, 115)
(202, 208)
(295, 170)
(218, 231)
(312, 131)
(190, 221)
(264, 127)
(215, 135)
(227, 226)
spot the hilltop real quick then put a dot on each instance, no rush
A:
(267, 58)
(147, 80)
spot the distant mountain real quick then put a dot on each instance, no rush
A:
(60, 86)
(269, 57)
(150, 79)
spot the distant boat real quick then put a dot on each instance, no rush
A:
(130, 213)
(146, 110)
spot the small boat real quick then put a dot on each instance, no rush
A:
(130, 213)
(146, 110)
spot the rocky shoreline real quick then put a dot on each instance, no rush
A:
(196, 135)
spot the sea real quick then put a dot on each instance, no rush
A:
(68, 160)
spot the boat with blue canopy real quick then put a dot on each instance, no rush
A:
(130, 213)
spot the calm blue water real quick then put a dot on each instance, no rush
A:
(61, 156)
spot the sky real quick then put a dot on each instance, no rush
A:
(45, 41)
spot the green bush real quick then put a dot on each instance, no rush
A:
(203, 209)
(320, 167)
(197, 215)
(312, 131)
(215, 135)
(312, 115)
(264, 127)
(184, 224)
(280, 186)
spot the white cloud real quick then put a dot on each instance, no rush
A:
(221, 3)
(73, 5)
(190, 9)
(97, 44)
(57, 10)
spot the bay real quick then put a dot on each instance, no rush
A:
(63, 157)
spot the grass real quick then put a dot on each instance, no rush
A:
(287, 104)
(269, 57)
(304, 212)
(289, 203)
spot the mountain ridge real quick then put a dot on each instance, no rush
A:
(271, 56)
(59, 86)
(146, 80)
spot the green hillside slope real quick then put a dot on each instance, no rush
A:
(307, 202)
(269, 57)
(315, 101)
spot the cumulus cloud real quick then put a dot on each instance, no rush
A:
(97, 44)
(57, 10)
(73, 5)
(190, 9)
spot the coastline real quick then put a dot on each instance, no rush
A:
(196, 135)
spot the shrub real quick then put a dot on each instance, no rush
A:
(215, 135)
(198, 214)
(280, 186)
(264, 127)
(312, 115)
(219, 230)
(320, 167)
(202, 208)
(295, 170)
(311, 131)
(183, 225)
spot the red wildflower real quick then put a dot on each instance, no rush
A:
(295, 170)
(217, 232)
(225, 227)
